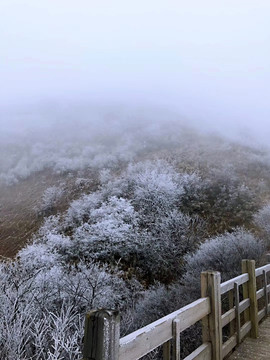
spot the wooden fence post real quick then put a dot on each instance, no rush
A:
(211, 325)
(249, 291)
(265, 293)
(101, 336)
(231, 305)
(176, 339)
(167, 350)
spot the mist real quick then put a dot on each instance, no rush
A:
(208, 62)
(134, 155)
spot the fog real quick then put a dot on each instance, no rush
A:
(134, 155)
(206, 61)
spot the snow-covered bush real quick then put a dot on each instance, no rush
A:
(262, 220)
(43, 301)
(133, 219)
(224, 202)
(79, 210)
(160, 301)
(156, 187)
(165, 243)
(49, 200)
(222, 253)
(110, 231)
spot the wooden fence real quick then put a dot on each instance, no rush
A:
(246, 298)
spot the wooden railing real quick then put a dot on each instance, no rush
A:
(246, 298)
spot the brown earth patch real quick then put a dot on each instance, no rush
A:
(18, 203)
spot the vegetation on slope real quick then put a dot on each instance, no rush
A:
(125, 225)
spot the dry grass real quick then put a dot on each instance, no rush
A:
(18, 203)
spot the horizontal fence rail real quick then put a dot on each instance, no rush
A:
(245, 296)
(161, 331)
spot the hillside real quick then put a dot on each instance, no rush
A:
(26, 177)
(20, 202)
(120, 217)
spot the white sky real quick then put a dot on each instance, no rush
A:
(209, 60)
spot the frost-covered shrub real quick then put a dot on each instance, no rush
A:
(110, 231)
(178, 231)
(30, 335)
(50, 198)
(156, 187)
(52, 224)
(262, 220)
(222, 201)
(81, 183)
(53, 249)
(222, 253)
(43, 301)
(82, 141)
(167, 241)
(113, 230)
(160, 301)
(79, 210)
(104, 176)
(133, 219)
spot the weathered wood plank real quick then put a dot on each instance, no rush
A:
(229, 285)
(228, 346)
(252, 349)
(194, 312)
(101, 336)
(231, 306)
(176, 339)
(230, 314)
(167, 350)
(245, 329)
(237, 311)
(146, 339)
(228, 317)
(245, 291)
(265, 292)
(243, 305)
(201, 353)
(259, 294)
(259, 271)
(249, 265)
(261, 314)
(212, 329)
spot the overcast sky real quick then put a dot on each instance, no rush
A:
(209, 60)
